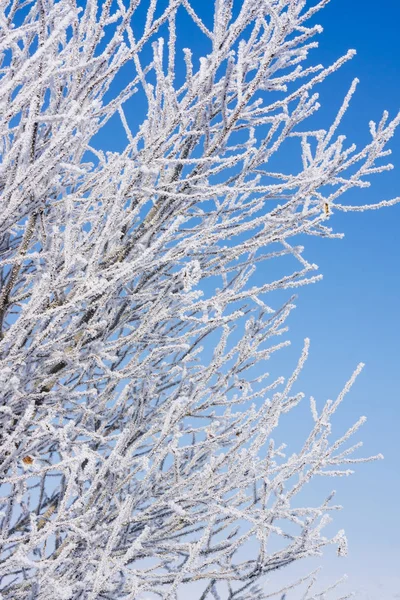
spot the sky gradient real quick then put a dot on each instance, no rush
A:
(352, 315)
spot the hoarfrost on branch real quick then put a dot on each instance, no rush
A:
(137, 417)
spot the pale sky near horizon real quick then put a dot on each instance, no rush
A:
(352, 315)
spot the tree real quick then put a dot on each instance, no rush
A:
(137, 418)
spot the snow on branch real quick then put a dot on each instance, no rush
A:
(137, 416)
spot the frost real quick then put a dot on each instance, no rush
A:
(191, 275)
(137, 417)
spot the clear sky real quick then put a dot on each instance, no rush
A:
(352, 315)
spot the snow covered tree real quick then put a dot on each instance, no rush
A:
(137, 417)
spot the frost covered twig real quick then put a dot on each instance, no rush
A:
(137, 420)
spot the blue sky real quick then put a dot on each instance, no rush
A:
(352, 315)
